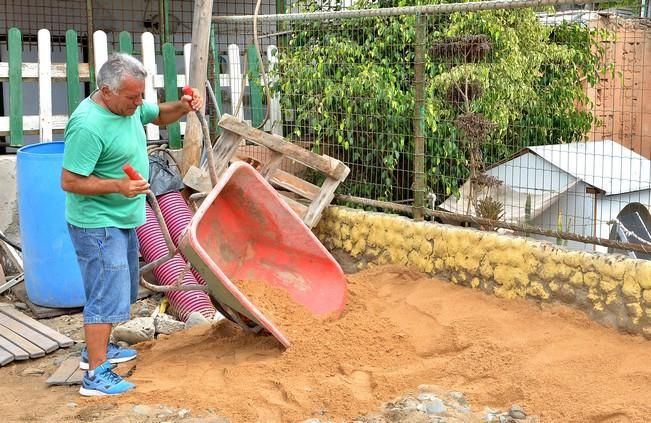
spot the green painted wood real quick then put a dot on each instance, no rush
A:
(216, 83)
(15, 87)
(171, 92)
(126, 43)
(255, 89)
(72, 70)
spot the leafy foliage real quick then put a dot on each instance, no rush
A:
(349, 84)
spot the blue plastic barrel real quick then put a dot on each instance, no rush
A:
(52, 276)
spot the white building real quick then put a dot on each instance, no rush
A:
(579, 187)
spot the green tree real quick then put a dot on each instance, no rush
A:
(349, 84)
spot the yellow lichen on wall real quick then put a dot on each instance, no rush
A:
(537, 290)
(630, 288)
(508, 267)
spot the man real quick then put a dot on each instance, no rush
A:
(103, 206)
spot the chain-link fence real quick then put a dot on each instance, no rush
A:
(527, 116)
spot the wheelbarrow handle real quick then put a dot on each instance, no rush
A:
(171, 248)
(131, 172)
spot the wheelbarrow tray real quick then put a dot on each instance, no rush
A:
(243, 230)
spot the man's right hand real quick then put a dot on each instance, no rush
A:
(131, 188)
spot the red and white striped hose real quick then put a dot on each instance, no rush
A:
(152, 247)
(177, 216)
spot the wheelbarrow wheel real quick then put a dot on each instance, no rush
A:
(236, 317)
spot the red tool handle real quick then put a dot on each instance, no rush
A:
(187, 90)
(131, 172)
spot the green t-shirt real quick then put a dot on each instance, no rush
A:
(99, 143)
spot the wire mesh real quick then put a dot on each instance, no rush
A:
(530, 117)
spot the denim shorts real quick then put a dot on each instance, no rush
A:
(108, 260)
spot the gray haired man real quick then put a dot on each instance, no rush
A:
(103, 206)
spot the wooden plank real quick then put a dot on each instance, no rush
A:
(324, 198)
(235, 79)
(294, 184)
(13, 349)
(33, 350)
(198, 70)
(20, 292)
(275, 117)
(45, 85)
(298, 208)
(331, 167)
(31, 124)
(224, 150)
(5, 357)
(39, 327)
(255, 88)
(59, 71)
(43, 342)
(72, 71)
(126, 43)
(159, 80)
(271, 165)
(187, 56)
(69, 373)
(63, 373)
(100, 49)
(15, 87)
(171, 92)
(149, 61)
(76, 377)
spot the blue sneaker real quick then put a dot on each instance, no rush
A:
(104, 382)
(114, 355)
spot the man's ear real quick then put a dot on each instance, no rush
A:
(105, 90)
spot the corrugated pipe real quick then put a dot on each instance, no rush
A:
(152, 247)
(177, 215)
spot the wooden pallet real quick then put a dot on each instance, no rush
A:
(306, 199)
(22, 337)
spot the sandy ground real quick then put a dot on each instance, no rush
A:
(400, 329)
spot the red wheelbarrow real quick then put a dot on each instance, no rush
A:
(243, 230)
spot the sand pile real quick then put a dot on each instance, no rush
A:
(399, 329)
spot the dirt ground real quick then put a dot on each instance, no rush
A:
(400, 329)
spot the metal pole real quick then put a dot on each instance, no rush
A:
(438, 9)
(89, 40)
(163, 21)
(419, 119)
(643, 248)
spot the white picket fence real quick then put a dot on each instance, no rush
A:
(45, 72)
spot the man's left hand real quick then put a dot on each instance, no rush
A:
(194, 102)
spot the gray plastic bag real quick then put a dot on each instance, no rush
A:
(162, 178)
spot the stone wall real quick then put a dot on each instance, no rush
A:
(611, 289)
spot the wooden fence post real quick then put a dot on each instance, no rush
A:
(15, 87)
(72, 70)
(149, 61)
(255, 88)
(44, 86)
(198, 71)
(126, 43)
(100, 46)
(171, 92)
